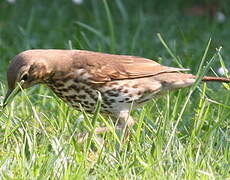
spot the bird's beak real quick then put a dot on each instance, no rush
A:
(7, 98)
(11, 93)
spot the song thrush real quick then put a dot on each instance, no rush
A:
(76, 76)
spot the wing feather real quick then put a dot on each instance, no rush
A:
(108, 67)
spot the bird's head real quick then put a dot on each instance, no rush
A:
(25, 69)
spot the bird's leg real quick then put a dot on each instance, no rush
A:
(81, 137)
(125, 122)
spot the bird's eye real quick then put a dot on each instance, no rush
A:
(24, 77)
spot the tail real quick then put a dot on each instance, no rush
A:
(217, 79)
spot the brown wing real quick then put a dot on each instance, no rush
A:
(107, 67)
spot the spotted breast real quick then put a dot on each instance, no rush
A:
(116, 95)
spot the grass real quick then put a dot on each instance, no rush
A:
(183, 135)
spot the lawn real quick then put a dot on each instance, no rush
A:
(183, 135)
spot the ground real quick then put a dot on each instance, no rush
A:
(183, 135)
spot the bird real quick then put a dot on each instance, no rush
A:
(76, 76)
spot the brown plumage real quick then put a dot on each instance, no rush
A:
(76, 76)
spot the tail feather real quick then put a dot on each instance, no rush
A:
(217, 79)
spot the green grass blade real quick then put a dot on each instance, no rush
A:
(175, 58)
(111, 27)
